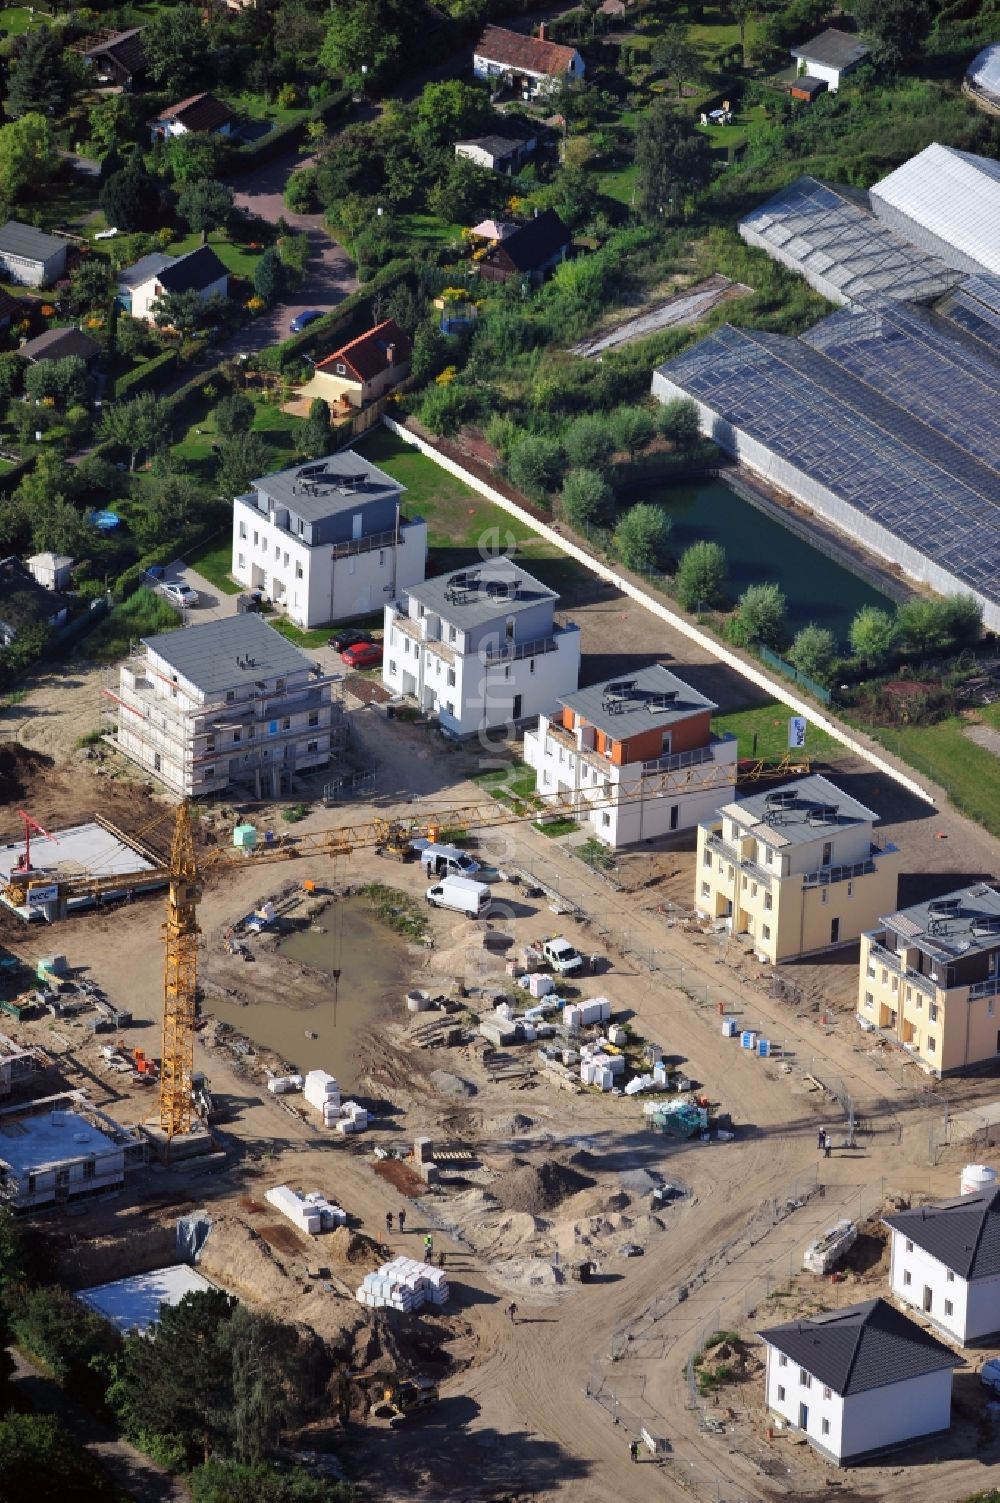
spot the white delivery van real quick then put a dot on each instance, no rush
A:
(444, 860)
(561, 956)
(470, 898)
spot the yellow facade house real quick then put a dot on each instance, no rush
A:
(796, 869)
(930, 979)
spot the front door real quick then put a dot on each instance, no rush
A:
(835, 931)
(515, 713)
(928, 1299)
(675, 811)
(803, 1417)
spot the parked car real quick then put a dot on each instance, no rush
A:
(181, 595)
(304, 319)
(363, 655)
(348, 636)
(471, 898)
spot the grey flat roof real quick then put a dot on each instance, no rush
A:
(206, 655)
(833, 48)
(144, 269)
(134, 1304)
(480, 593)
(323, 487)
(497, 146)
(24, 240)
(28, 1143)
(945, 926)
(794, 813)
(861, 1347)
(963, 1233)
(631, 703)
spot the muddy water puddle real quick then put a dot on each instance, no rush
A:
(373, 964)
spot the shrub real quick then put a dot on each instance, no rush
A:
(535, 465)
(633, 429)
(589, 442)
(641, 537)
(872, 636)
(444, 408)
(587, 498)
(762, 614)
(814, 652)
(678, 422)
(701, 576)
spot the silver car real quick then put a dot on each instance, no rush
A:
(181, 595)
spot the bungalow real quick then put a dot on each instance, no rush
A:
(116, 57)
(830, 56)
(202, 112)
(531, 65)
(859, 1381)
(945, 1262)
(24, 602)
(142, 284)
(60, 344)
(495, 153)
(532, 250)
(364, 369)
(30, 256)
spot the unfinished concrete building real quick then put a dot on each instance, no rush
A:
(16, 1064)
(50, 1155)
(229, 702)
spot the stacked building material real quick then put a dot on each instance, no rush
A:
(581, 1014)
(311, 1213)
(404, 1284)
(352, 1118)
(280, 1085)
(322, 1091)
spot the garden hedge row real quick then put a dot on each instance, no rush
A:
(148, 374)
(251, 153)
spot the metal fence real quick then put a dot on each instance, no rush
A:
(788, 670)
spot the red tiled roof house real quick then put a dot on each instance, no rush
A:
(531, 65)
(364, 369)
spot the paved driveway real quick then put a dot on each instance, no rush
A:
(213, 604)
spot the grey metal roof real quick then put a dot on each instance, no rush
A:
(861, 1347)
(18, 239)
(953, 196)
(488, 591)
(194, 271)
(944, 926)
(497, 146)
(325, 487)
(807, 809)
(832, 48)
(57, 344)
(633, 702)
(984, 70)
(963, 1234)
(144, 269)
(206, 656)
(973, 308)
(829, 235)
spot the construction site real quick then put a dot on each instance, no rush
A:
(523, 1196)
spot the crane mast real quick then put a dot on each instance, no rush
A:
(180, 981)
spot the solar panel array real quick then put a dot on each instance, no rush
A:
(832, 239)
(873, 455)
(906, 356)
(974, 307)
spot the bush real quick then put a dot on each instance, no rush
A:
(633, 429)
(762, 614)
(814, 652)
(678, 422)
(535, 465)
(701, 576)
(300, 191)
(587, 499)
(641, 537)
(589, 442)
(444, 408)
(142, 377)
(873, 636)
(76, 1345)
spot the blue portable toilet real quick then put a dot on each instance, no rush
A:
(729, 1028)
(763, 1048)
(748, 1039)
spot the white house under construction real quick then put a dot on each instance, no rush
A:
(229, 702)
(49, 1155)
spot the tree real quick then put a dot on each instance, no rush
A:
(195, 156)
(448, 112)
(701, 576)
(263, 1359)
(587, 499)
(131, 199)
(221, 1481)
(168, 502)
(589, 442)
(38, 79)
(814, 652)
(205, 206)
(464, 192)
(65, 381)
(535, 465)
(872, 636)
(141, 425)
(672, 160)
(174, 43)
(430, 352)
(359, 35)
(89, 286)
(315, 436)
(242, 459)
(674, 56)
(43, 1462)
(113, 122)
(269, 276)
(762, 614)
(963, 619)
(921, 626)
(26, 155)
(641, 536)
(298, 30)
(633, 428)
(184, 311)
(896, 30)
(76, 1345)
(235, 414)
(743, 11)
(678, 421)
(444, 407)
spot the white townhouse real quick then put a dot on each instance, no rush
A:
(480, 647)
(141, 285)
(945, 1262)
(635, 756)
(327, 541)
(859, 1381)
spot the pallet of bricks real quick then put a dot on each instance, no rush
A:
(404, 1284)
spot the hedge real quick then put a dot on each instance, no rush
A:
(250, 153)
(145, 375)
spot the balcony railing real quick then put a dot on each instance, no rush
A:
(724, 849)
(510, 652)
(894, 962)
(374, 540)
(988, 988)
(674, 761)
(827, 875)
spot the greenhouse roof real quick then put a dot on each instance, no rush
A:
(952, 197)
(974, 308)
(984, 70)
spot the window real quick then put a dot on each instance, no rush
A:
(909, 1245)
(906, 1277)
(284, 561)
(256, 539)
(209, 774)
(341, 368)
(706, 889)
(824, 895)
(990, 1006)
(452, 634)
(230, 696)
(286, 723)
(277, 552)
(279, 686)
(931, 1045)
(782, 1360)
(298, 571)
(605, 818)
(313, 717)
(950, 1277)
(828, 1393)
(707, 858)
(850, 889)
(949, 1308)
(827, 853)
(805, 1379)
(885, 976)
(769, 856)
(766, 931)
(869, 999)
(932, 1012)
(312, 746)
(241, 562)
(746, 883)
(531, 665)
(237, 736)
(243, 531)
(781, 1394)
(895, 983)
(451, 684)
(768, 902)
(871, 970)
(392, 668)
(825, 1424)
(753, 890)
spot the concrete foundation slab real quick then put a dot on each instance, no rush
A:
(134, 1304)
(90, 848)
(188, 1145)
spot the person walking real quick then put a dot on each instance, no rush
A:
(440, 1259)
(402, 1220)
(388, 1221)
(827, 1145)
(821, 1140)
(428, 1248)
(633, 1449)
(512, 1312)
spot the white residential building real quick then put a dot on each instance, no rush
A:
(859, 1381)
(945, 1262)
(327, 541)
(480, 647)
(141, 285)
(530, 65)
(50, 1155)
(229, 702)
(635, 756)
(830, 56)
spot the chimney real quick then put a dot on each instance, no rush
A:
(543, 32)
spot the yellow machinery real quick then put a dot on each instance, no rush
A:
(410, 1395)
(185, 869)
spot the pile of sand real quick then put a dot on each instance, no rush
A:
(352, 1250)
(510, 1126)
(528, 1276)
(535, 1188)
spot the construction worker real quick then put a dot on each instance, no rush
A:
(633, 1449)
(402, 1219)
(440, 1259)
(428, 1248)
(512, 1312)
(388, 1221)
(827, 1145)
(821, 1140)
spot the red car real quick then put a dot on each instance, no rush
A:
(363, 655)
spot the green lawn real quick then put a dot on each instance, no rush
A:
(213, 560)
(255, 107)
(769, 723)
(278, 429)
(416, 230)
(970, 774)
(17, 19)
(297, 635)
(141, 615)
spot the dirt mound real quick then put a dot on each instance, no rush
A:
(451, 1085)
(353, 1248)
(538, 1187)
(509, 1126)
(20, 769)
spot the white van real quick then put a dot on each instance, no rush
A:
(471, 898)
(444, 860)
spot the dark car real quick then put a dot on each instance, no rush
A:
(363, 655)
(350, 636)
(303, 319)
